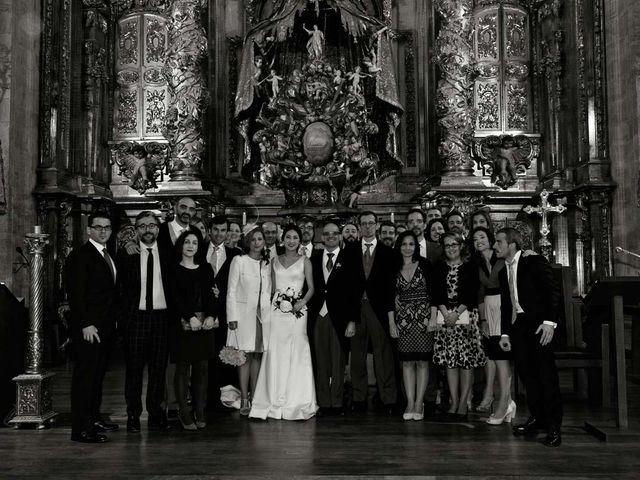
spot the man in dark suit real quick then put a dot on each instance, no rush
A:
(90, 274)
(145, 291)
(530, 300)
(270, 230)
(219, 257)
(374, 271)
(334, 310)
(184, 212)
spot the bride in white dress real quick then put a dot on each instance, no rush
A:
(286, 387)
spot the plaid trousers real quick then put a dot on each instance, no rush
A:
(146, 342)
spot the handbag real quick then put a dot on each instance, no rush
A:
(463, 318)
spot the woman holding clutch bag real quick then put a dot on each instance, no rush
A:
(248, 310)
(193, 345)
(458, 346)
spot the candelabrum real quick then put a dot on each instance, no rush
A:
(34, 403)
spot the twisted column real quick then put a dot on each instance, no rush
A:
(454, 100)
(185, 72)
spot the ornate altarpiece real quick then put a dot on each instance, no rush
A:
(495, 99)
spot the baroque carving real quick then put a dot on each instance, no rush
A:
(487, 37)
(127, 123)
(488, 106)
(184, 71)
(154, 110)
(517, 41)
(28, 394)
(504, 157)
(155, 41)
(122, 7)
(128, 43)
(142, 164)
(517, 107)
(454, 101)
(128, 77)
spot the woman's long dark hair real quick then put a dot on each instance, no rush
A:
(487, 232)
(427, 232)
(416, 252)
(180, 244)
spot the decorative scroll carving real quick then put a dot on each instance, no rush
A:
(517, 107)
(142, 164)
(251, 7)
(517, 38)
(516, 71)
(65, 84)
(122, 7)
(154, 75)
(504, 157)
(128, 43)
(487, 37)
(48, 92)
(488, 106)
(454, 102)
(94, 19)
(184, 70)
(154, 110)
(127, 77)
(155, 40)
(487, 71)
(234, 47)
(127, 108)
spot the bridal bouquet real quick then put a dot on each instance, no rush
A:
(284, 301)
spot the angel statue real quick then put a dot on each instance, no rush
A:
(506, 157)
(315, 45)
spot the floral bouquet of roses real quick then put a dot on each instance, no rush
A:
(284, 301)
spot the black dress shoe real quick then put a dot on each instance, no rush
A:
(88, 437)
(102, 426)
(172, 414)
(553, 438)
(158, 424)
(530, 427)
(133, 424)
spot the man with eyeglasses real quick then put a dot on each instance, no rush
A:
(374, 272)
(91, 274)
(144, 284)
(219, 257)
(308, 228)
(333, 311)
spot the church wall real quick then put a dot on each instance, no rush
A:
(19, 51)
(623, 80)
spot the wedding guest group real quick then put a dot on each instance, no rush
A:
(287, 313)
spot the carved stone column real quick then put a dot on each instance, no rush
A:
(454, 102)
(185, 72)
(33, 396)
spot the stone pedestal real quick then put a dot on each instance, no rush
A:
(34, 402)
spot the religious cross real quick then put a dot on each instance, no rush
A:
(543, 210)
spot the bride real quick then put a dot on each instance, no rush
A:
(285, 387)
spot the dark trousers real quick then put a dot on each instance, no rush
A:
(194, 373)
(220, 374)
(370, 329)
(89, 368)
(536, 367)
(146, 342)
(330, 360)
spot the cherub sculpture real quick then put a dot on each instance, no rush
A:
(506, 156)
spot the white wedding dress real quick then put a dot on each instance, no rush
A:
(285, 388)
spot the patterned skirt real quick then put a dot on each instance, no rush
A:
(459, 346)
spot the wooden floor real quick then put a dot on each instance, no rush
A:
(357, 446)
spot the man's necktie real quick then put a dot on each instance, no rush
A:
(214, 260)
(330, 262)
(149, 286)
(107, 259)
(512, 292)
(367, 258)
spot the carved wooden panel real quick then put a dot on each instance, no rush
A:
(142, 97)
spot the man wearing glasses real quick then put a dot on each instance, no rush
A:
(332, 313)
(144, 285)
(90, 275)
(374, 272)
(307, 226)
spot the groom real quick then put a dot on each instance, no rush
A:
(332, 313)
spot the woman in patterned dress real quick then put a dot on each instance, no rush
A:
(458, 346)
(413, 313)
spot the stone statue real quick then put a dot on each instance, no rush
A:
(315, 45)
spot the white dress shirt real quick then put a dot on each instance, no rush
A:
(176, 229)
(325, 258)
(423, 247)
(100, 247)
(159, 302)
(308, 249)
(273, 251)
(373, 243)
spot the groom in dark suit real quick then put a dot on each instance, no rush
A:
(376, 291)
(333, 312)
(529, 307)
(219, 257)
(90, 275)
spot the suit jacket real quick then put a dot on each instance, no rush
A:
(538, 293)
(221, 281)
(129, 280)
(91, 290)
(380, 286)
(340, 292)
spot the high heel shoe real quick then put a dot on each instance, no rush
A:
(408, 414)
(245, 407)
(485, 406)
(419, 415)
(508, 415)
(187, 426)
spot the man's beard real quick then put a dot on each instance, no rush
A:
(387, 241)
(185, 218)
(350, 239)
(148, 238)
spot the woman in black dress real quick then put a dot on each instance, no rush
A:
(413, 313)
(192, 341)
(458, 346)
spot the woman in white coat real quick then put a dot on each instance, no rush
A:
(248, 310)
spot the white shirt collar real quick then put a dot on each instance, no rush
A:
(98, 246)
(373, 243)
(177, 228)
